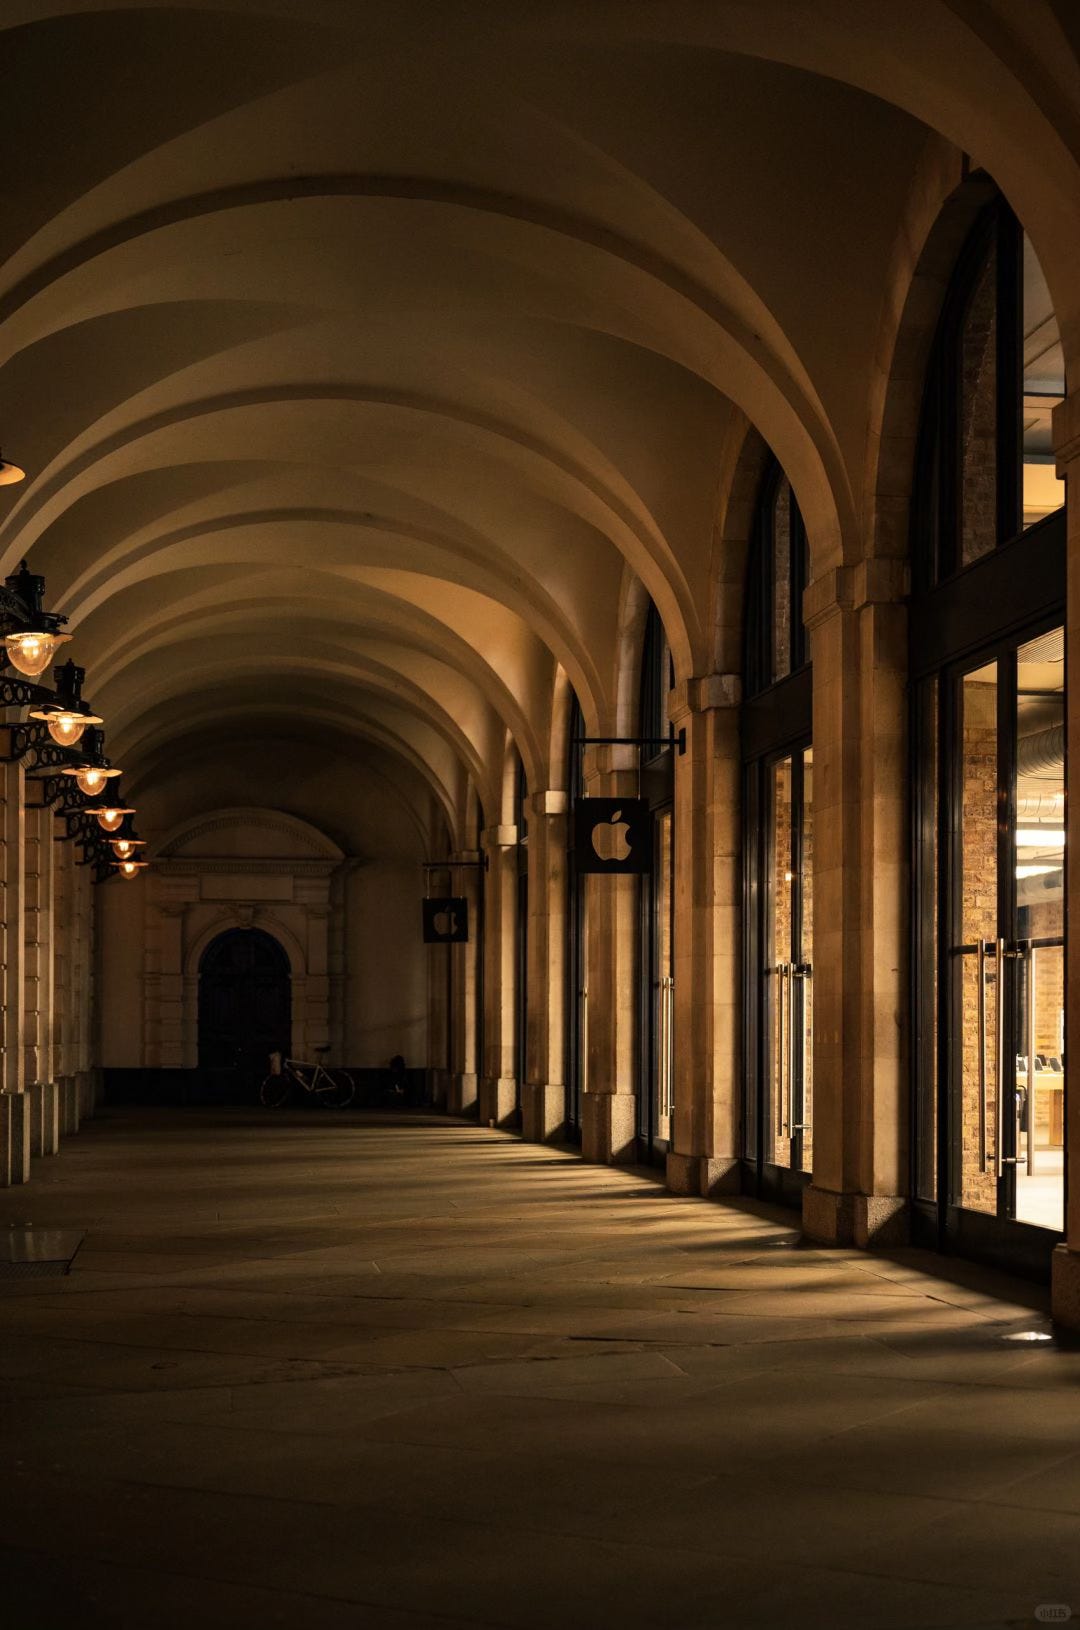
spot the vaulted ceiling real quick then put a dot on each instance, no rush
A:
(358, 351)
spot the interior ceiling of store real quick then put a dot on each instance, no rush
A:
(356, 352)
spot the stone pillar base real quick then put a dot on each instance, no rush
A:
(828, 1217)
(14, 1138)
(865, 1220)
(462, 1094)
(609, 1127)
(543, 1111)
(1065, 1287)
(43, 1105)
(707, 1175)
(35, 1094)
(49, 1116)
(881, 1220)
(497, 1100)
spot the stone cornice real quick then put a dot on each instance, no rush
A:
(704, 694)
(880, 581)
(263, 821)
(552, 802)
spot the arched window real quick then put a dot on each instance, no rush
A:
(657, 680)
(775, 641)
(778, 919)
(988, 691)
(986, 465)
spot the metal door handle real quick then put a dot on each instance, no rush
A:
(1031, 1060)
(982, 1056)
(781, 972)
(800, 971)
(791, 1110)
(1004, 951)
(999, 1094)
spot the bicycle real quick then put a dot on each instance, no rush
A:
(334, 1089)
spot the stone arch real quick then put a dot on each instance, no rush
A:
(276, 820)
(267, 922)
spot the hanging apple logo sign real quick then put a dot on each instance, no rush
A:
(610, 840)
(446, 920)
(612, 835)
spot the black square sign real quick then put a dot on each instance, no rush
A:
(446, 921)
(613, 835)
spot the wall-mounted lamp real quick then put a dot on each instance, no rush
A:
(90, 778)
(68, 717)
(35, 637)
(10, 473)
(110, 817)
(131, 868)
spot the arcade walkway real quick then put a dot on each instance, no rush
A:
(404, 1373)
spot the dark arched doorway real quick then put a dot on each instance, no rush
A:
(245, 1011)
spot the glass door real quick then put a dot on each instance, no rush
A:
(1038, 856)
(1001, 895)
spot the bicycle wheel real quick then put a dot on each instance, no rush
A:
(274, 1091)
(339, 1091)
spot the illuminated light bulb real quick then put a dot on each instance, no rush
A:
(31, 651)
(66, 726)
(110, 818)
(90, 778)
(131, 868)
(124, 848)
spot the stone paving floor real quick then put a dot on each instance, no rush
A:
(401, 1372)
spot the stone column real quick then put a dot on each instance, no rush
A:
(498, 1084)
(543, 1093)
(609, 1102)
(464, 1082)
(38, 903)
(14, 1108)
(704, 1155)
(858, 630)
(1065, 1288)
(84, 1091)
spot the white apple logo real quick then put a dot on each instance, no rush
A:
(445, 923)
(610, 841)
